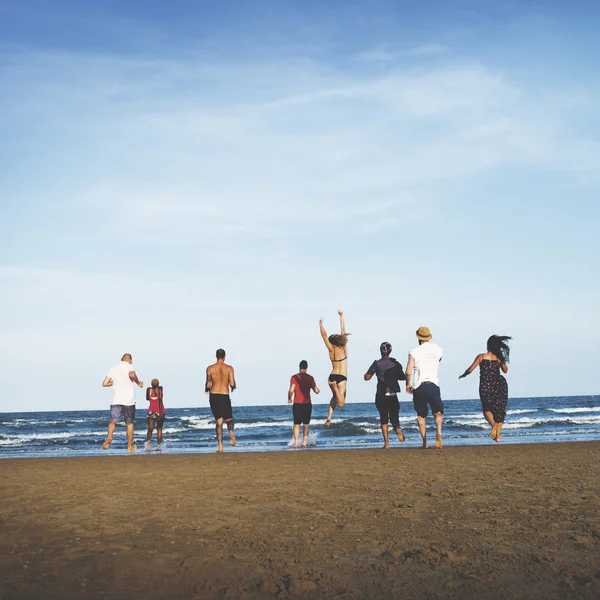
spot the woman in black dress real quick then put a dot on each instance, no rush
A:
(493, 389)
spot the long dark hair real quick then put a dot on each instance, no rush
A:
(499, 348)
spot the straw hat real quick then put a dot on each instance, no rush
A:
(424, 334)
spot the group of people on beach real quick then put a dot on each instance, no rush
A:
(420, 380)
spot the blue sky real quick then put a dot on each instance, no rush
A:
(180, 177)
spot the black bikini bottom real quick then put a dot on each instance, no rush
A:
(337, 378)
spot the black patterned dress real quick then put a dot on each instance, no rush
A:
(493, 389)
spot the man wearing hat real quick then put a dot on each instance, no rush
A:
(389, 372)
(424, 360)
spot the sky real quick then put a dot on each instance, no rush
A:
(179, 177)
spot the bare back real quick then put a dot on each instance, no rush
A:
(221, 377)
(339, 360)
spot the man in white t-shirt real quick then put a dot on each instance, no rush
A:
(122, 378)
(424, 360)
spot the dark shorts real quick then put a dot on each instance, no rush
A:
(302, 413)
(389, 409)
(337, 378)
(427, 394)
(118, 412)
(220, 404)
(158, 418)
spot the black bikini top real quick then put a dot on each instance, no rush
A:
(340, 359)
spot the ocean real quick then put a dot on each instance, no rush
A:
(269, 428)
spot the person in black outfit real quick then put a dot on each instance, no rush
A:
(389, 371)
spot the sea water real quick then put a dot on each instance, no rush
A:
(269, 428)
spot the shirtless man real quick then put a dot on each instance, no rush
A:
(220, 378)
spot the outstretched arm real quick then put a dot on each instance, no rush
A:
(342, 326)
(475, 364)
(324, 335)
(107, 382)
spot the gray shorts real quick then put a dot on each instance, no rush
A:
(118, 412)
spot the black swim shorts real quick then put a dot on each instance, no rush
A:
(220, 404)
(427, 394)
(389, 409)
(302, 413)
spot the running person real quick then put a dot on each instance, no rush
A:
(424, 361)
(493, 389)
(301, 385)
(122, 378)
(389, 371)
(338, 354)
(220, 379)
(156, 412)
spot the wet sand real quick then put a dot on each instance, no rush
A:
(473, 522)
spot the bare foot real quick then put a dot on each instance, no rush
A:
(493, 434)
(401, 437)
(425, 444)
(220, 448)
(438, 442)
(232, 440)
(328, 423)
(304, 444)
(131, 449)
(106, 444)
(148, 446)
(385, 445)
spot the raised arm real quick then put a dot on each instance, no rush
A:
(107, 382)
(342, 326)
(324, 335)
(410, 365)
(475, 364)
(232, 380)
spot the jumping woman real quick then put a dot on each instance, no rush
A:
(156, 412)
(338, 354)
(493, 389)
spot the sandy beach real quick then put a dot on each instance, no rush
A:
(519, 521)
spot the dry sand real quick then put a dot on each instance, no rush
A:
(473, 522)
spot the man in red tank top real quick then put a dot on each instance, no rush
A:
(301, 385)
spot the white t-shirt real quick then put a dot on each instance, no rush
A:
(123, 388)
(427, 360)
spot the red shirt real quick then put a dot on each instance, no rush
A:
(304, 383)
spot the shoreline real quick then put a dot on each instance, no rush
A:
(518, 521)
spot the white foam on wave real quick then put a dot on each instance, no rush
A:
(521, 411)
(17, 440)
(578, 409)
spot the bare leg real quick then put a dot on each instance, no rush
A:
(399, 433)
(305, 436)
(111, 429)
(489, 417)
(219, 428)
(422, 430)
(384, 432)
(150, 431)
(498, 431)
(232, 441)
(332, 407)
(438, 427)
(339, 391)
(131, 447)
(296, 436)
(159, 433)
